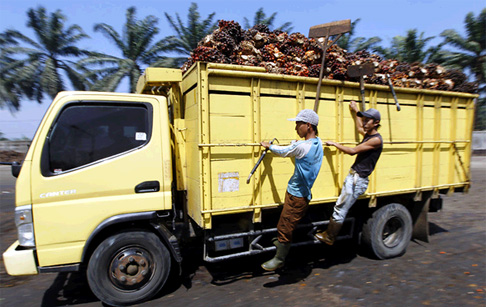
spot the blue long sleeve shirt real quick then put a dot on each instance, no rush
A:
(308, 159)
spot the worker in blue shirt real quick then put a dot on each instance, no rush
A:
(308, 159)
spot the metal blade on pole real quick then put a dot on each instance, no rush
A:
(360, 71)
(326, 30)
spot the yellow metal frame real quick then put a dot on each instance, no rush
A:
(253, 87)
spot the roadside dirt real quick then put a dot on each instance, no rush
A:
(11, 156)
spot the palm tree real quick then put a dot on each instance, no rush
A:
(471, 56)
(34, 67)
(9, 92)
(472, 48)
(137, 51)
(357, 43)
(188, 37)
(410, 48)
(262, 19)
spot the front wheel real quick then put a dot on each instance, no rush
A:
(388, 232)
(128, 268)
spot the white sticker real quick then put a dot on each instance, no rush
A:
(140, 136)
(228, 182)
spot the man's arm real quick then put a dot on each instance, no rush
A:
(296, 149)
(357, 120)
(368, 145)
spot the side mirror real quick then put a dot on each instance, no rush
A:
(16, 166)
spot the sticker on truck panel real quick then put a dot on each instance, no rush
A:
(228, 182)
(140, 136)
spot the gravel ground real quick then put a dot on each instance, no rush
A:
(450, 270)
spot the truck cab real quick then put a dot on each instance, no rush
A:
(98, 161)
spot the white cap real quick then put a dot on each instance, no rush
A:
(307, 116)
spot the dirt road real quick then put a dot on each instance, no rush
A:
(448, 271)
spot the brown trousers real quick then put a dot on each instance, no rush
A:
(293, 210)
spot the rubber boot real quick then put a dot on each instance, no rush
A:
(279, 259)
(329, 236)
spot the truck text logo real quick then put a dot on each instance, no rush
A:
(59, 193)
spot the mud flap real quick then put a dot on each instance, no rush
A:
(420, 220)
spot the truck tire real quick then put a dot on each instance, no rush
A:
(388, 232)
(128, 268)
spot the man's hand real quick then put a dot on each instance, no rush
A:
(330, 143)
(266, 145)
(353, 106)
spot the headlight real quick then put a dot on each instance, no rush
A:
(25, 226)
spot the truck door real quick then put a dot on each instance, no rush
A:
(95, 158)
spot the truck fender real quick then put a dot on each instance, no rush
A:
(168, 238)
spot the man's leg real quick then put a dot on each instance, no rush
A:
(293, 211)
(345, 200)
(353, 187)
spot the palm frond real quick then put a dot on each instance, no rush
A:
(78, 81)
(110, 82)
(15, 36)
(188, 36)
(35, 65)
(261, 18)
(50, 79)
(110, 33)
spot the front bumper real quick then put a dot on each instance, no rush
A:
(20, 261)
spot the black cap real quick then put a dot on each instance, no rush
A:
(370, 113)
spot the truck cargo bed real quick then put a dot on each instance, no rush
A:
(222, 112)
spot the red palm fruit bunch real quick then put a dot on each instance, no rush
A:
(295, 54)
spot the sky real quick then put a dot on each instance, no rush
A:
(382, 18)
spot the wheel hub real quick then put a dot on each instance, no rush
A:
(131, 268)
(393, 232)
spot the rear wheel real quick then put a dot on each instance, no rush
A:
(388, 232)
(128, 268)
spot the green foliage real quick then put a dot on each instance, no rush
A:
(353, 44)
(33, 68)
(136, 47)
(10, 92)
(262, 19)
(188, 36)
(410, 48)
(480, 120)
(471, 54)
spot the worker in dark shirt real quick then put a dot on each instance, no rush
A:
(356, 182)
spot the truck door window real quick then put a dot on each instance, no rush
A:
(83, 134)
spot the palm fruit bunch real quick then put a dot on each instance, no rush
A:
(295, 54)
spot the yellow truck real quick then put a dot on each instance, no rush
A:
(117, 184)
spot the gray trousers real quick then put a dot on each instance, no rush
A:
(353, 187)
